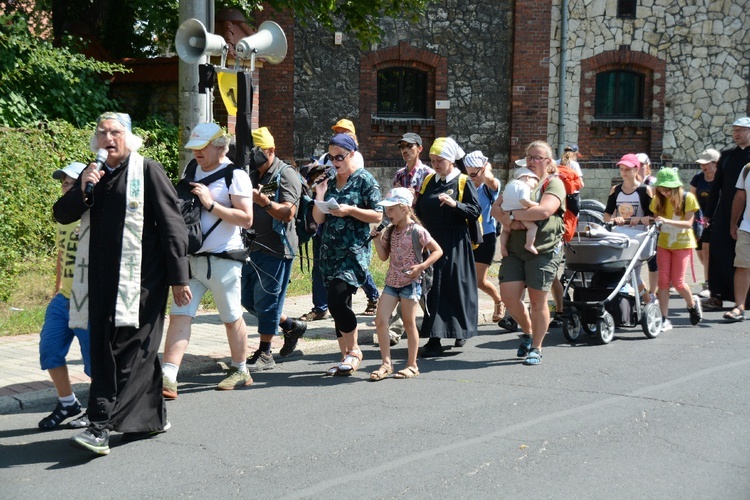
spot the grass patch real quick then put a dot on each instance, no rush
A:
(24, 311)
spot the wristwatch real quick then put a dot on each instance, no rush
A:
(512, 217)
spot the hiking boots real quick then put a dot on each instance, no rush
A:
(292, 336)
(260, 361)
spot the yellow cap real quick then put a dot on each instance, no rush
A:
(263, 139)
(345, 124)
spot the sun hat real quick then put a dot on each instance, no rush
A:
(668, 177)
(524, 172)
(345, 124)
(708, 156)
(73, 171)
(398, 196)
(202, 135)
(629, 160)
(521, 162)
(475, 159)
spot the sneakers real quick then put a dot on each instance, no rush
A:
(235, 379)
(525, 347)
(129, 437)
(666, 325)
(58, 416)
(534, 357)
(91, 440)
(394, 338)
(260, 361)
(169, 389)
(705, 292)
(314, 315)
(696, 312)
(81, 422)
(291, 337)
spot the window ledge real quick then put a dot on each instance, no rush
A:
(621, 123)
(404, 122)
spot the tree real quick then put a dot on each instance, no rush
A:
(133, 28)
(39, 82)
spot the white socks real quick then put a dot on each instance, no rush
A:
(68, 400)
(241, 366)
(170, 371)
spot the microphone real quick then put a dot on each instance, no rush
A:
(101, 157)
(378, 229)
(328, 173)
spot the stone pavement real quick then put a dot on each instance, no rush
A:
(23, 383)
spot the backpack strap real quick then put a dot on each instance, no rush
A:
(416, 244)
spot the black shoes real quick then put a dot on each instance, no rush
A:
(291, 337)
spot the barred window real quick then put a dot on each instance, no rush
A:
(619, 94)
(402, 92)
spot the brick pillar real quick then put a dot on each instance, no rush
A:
(530, 92)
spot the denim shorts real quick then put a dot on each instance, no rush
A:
(225, 285)
(56, 336)
(411, 291)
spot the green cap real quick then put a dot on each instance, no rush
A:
(668, 177)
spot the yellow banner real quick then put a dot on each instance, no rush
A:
(228, 90)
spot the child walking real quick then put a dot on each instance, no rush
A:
(674, 209)
(403, 281)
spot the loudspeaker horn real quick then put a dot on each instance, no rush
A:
(269, 43)
(193, 41)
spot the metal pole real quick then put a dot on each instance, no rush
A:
(194, 107)
(563, 70)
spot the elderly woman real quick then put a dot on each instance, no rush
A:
(352, 205)
(447, 202)
(522, 269)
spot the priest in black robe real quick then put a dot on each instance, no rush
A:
(126, 380)
(718, 213)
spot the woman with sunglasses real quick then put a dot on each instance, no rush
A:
(345, 242)
(522, 269)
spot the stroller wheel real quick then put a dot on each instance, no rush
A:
(651, 320)
(571, 327)
(606, 327)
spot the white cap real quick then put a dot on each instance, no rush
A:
(202, 134)
(742, 122)
(521, 162)
(643, 158)
(524, 172)
(398, 196)
(475, 159)
(73, 171)
(708, 156)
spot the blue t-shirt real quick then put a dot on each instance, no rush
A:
(485, 203)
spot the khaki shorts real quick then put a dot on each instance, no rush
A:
(537, 271)
(742, 250)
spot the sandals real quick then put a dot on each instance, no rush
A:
(735, 317)
(499, 312)
(408, 372)
(372, 307)
(350, 363)
(381, 372)
(712, 303)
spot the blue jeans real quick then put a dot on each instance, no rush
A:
(370, 289)
(264, 282)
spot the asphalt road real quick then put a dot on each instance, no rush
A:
(638, 418)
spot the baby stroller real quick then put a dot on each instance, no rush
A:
(602, 263)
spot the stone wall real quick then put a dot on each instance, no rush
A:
(705, 45)
(474, 36)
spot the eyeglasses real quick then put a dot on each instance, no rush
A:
(406, 145)
(338, 157)
(536, 158)
(115, 134)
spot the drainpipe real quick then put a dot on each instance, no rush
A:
(563, 70)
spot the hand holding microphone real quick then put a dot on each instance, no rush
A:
(101, 157)
(327, 174)
(379, 229)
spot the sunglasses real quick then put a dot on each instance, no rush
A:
(404, 146)
(338, 157)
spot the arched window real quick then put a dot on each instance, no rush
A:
(619, 94)
(402, 92)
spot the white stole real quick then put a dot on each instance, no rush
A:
(129, 284)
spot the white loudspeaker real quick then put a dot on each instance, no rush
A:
(193, 41)
(268, 43)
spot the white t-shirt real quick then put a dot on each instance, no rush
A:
(514, 192)
(742, 183)
(225, 236)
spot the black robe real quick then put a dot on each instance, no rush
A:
(453, 302)
(126, 378)
(719, 209)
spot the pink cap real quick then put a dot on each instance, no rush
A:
(630, 160)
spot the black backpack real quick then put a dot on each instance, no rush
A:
(190, 207)
(304, 223)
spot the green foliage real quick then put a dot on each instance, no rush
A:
(40, 82)
(27, 191)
